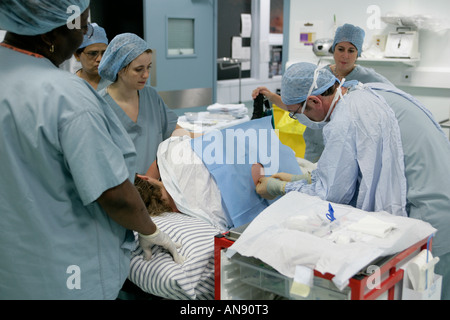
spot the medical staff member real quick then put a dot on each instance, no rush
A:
(383, 151)
(347, 47)
(68, 201)
(127, 63)
(89, 54)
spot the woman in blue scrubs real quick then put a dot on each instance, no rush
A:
(147, 119)
(68, 201)
(89, 54)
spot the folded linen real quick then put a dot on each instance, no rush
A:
(372, 226)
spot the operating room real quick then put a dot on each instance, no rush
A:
(247, 201)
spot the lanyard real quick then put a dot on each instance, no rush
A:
(36, 55)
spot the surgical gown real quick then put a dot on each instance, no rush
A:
(314, 138)
(155, 123)
(362, 163)
(61, 148)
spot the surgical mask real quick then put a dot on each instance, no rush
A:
(317, 125)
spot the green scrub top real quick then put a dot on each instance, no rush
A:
(61, 148)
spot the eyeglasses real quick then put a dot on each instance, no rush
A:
(94, 54)
(293, 115)
(88, 30)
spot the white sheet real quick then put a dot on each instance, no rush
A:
(274, 239)
(207, 122)
(189, 182)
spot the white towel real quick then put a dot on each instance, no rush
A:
(372, 226)
(217, 107)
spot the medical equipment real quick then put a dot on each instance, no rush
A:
(421, 269)
(421, 283)
(322, 47)
(402, 44)
(330, 214)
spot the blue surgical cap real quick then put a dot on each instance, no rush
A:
(298, 80)
(350, 33)
(122, 50)
(33, 17)
(98, 36)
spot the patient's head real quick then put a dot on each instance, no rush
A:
(155, 196)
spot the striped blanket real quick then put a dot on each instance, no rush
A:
(161, 276)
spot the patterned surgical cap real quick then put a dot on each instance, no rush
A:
(298, 80)
(350, 33)
(122, 50)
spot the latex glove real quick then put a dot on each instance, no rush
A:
(292, 177)
(161, 239)
(306, 166)
(270, 188)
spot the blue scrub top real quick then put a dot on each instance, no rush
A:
(103, 84)
(155, 123)
(61, 148)
(427, 163)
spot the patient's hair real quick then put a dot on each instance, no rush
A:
(152, 197)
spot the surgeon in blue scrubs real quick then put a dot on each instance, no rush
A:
(347, 47)
(383, 151)
(68, 203)
(127, 63)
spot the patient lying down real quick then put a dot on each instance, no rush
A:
(187, 187)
